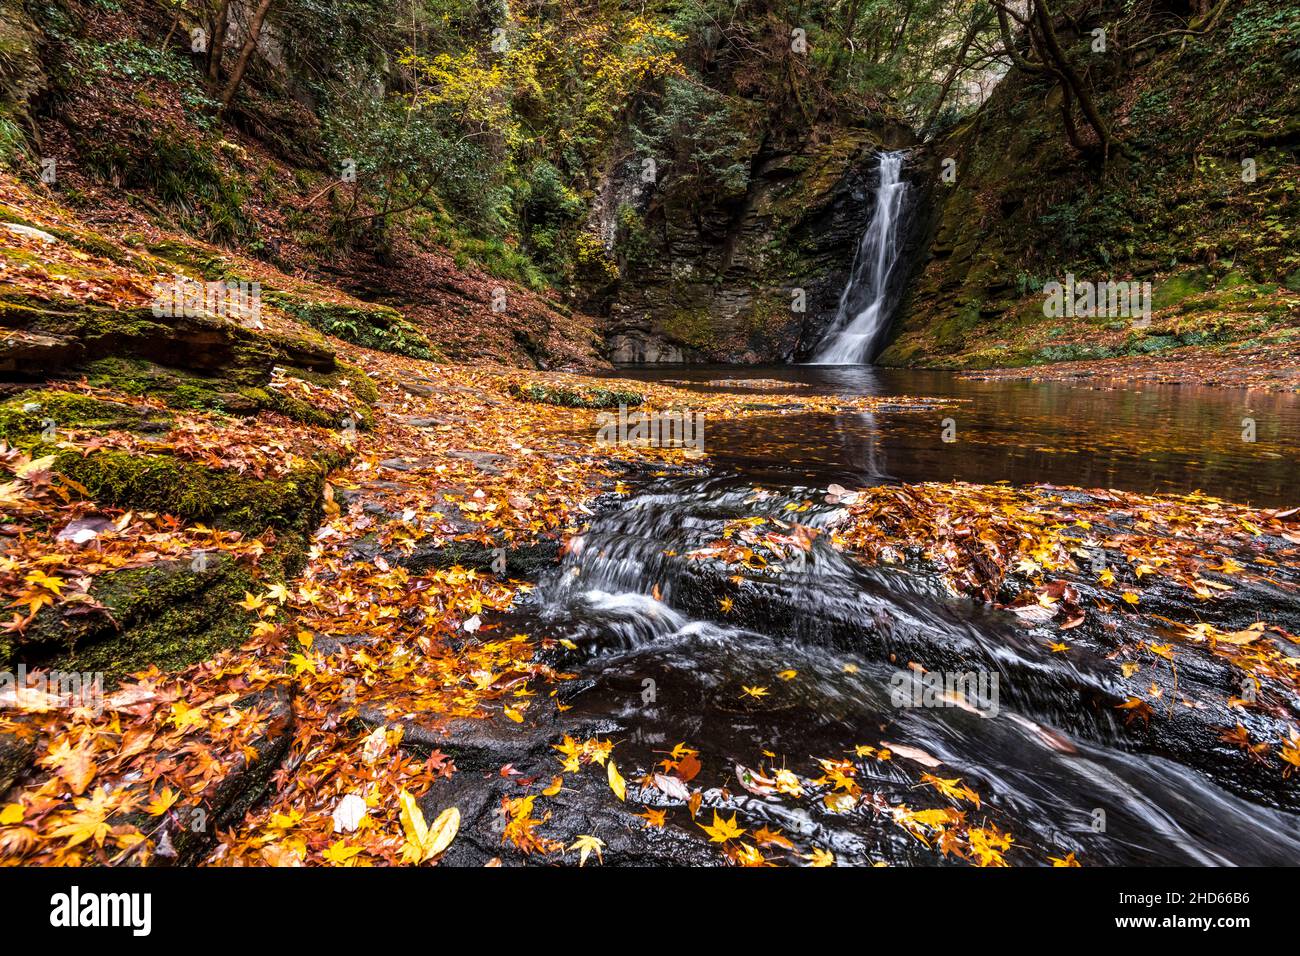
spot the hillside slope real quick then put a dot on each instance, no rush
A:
(1202, 201)
(99, 114)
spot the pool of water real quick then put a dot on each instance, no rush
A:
(1152, 439)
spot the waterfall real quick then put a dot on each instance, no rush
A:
(862, 318)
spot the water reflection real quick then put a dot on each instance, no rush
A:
(1171, 438)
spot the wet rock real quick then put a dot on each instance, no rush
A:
(485, 461)
(169, 613)
(480, 749)
(186, 833)
(15, 756)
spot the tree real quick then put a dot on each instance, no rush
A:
(1047, 57)
(245, 53)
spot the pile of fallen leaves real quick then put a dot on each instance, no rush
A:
(977, 534)
(339, 656)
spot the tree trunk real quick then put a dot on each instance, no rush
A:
(245, 54)
(976, 25)
(1069, 78)
(217, 42)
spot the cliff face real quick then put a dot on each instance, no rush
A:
(754, 276)
(1201, 202)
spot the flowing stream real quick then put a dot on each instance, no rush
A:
(659, 661)
(856, 333)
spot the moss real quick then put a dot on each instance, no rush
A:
(375, 327)
(190, 390)
(29, 413)
(170, 614)
(1176, 288)
(347, 377)
(692, 327)
(178, 388)
(363, 387)
(194, 491)
(950, 334)
(206, 264)
(585, 397)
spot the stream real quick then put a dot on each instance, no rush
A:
(658, 663)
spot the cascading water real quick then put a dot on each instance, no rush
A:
(863, 314)
(659, 655)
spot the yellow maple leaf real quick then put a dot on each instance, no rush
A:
(424, 842)
(43, 580)
(251, 602)
(340, 854)
(161, 803)
(722, 830)
(88, 823)
(616, 781)
(586, 845)
(820, 857)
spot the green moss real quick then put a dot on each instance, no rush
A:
(692, 327)
(193, 491)
(375, 327)
(1176, 288)
(196, 260)
(31, 412)
(170, 614)
(361, 384)
(584, 397)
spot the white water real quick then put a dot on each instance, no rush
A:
(863, 314)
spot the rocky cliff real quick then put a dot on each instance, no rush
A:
(753, 276)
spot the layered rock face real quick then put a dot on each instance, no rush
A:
(754, 277)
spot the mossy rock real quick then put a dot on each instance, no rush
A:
(194, 491)
(170, 614)
(182, 389)
(208, 265)
(375, 326)
(1176, 288)
(70, 334)
(584, 397)
(32, 412)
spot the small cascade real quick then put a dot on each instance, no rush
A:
(862, 318)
